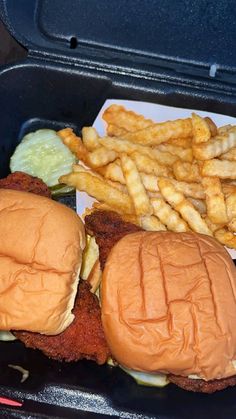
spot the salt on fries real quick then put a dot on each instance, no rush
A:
(175, 175)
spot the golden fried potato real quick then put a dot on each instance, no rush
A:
(115, 131)
(190, 189)
(181, 142)
(184, 154)
(183, 206)
(212, 126)
(231, 211)
(135, 186)
(231, 205)
(168, 216)
(101, 157)
(150, 166)
(216, 146)
(122, 118)
(227, 238)
(151, 223)
(230, 155)
(224, 129)
(212, 226)
(201, 129)
(228, 188)
(90, 138)
(232, 225)
(100, 190)
(224, 169)
(123, 146)
(158, 133)
(74, 143)
(215, 200)
(189, 172)
(199, 205)
(159, 175)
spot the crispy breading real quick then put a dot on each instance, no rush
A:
(23, 182)
(202, 386)
(108, 227)
(84, 338)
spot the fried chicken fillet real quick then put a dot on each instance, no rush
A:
(23, 182)
(84, 338)
(108, 227)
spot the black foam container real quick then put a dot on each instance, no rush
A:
(79, 54)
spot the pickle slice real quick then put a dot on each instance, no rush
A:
(43, 154)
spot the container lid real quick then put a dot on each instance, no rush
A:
(188, 36)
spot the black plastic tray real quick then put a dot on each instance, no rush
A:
(80, 54)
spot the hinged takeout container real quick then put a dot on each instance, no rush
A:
(81, 53)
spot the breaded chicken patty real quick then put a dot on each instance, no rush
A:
(83, 339)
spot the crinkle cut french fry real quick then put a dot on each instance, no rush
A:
(90, 138)
(216, 146)
(183, 206)
(189, 189)
(113, 171)
(117, 185)
(232, 225)
(74, 143)
(100, 190)
(228, 188)
(101, 157)
(212, 126)
(168, 216)
(181, 142)
(199, 204)
(224, 169)
(150, 166)
(161, 132)
(184, 154)
(114, 131)
(201, 129)
(212, 226)
(215, 201)
(123, 146)
(230, 155)
(151, 223)
(231, 211)
(122, 118)
(226, 237)
(189, 172)
(224, 129)
(231, 205)
(135, 186)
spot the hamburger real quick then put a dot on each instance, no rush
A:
(42, 298)
(168, 303)
(41, 254)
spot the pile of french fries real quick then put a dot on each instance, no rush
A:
(176, 175)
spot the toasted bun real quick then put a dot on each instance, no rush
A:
(40, 257)
(169, 304)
